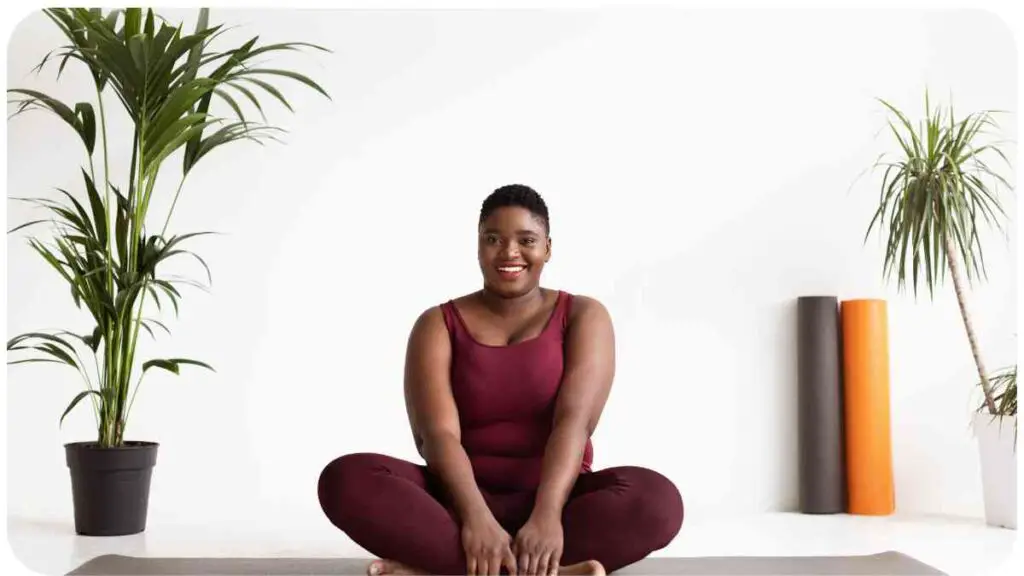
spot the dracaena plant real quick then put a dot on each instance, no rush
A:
(102, 240)
(934, 198)
(1004, 390)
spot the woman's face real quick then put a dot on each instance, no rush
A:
(513, 248)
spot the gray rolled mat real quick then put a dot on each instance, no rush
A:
(820, 413)
(886, 563)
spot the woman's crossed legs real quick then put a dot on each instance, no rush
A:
(397, 510)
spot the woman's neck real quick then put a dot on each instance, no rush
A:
(512, 306)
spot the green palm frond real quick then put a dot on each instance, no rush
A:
(100, 244)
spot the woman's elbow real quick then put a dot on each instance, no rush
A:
(575, 424)
(433, 444)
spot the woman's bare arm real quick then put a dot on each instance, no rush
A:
(586, 384)
(433, 414)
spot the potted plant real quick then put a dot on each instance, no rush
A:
(997, 443)
(103, 240)
(932, 202)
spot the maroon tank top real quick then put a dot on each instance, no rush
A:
(506, 397)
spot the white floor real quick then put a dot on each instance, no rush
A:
(956, 546)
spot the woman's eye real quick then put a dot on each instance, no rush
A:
(529, 241)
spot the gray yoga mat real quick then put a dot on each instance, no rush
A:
(820, 413)
(889, 563)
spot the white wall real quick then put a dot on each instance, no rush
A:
(698, 167)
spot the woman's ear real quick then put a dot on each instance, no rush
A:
(547, 254)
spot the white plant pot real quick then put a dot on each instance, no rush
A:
(998, 452)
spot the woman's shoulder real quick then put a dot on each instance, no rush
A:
(435, 319)
(583, 307)
(463, 300)
(435, 311)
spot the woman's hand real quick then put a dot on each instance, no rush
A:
(538, 545)
(487, 545)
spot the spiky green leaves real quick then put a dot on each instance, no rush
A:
(937, 188)
(1004, 391)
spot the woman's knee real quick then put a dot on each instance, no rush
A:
(342, 481)
(659, 503)
(345, 469)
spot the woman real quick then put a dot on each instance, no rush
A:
(504, 388)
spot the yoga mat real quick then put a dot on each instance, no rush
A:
(866, 402)
(889, 563)
(820, 407)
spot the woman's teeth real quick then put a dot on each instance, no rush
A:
(511, 268)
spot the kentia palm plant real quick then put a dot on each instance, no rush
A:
(930, 201)
(105, 243)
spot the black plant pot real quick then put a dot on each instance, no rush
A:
(110, 486)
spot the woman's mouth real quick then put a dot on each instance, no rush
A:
(511, 272)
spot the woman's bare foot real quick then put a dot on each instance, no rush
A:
(381, 567)
(588, 568)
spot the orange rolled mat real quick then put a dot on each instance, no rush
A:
(866, 407)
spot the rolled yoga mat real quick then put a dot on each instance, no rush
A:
(866, 403)
(820, 412)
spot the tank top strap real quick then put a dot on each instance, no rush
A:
(452, 321)
(563, 307)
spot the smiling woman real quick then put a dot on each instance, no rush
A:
(504, 389)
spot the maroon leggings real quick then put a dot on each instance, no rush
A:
(399, 511)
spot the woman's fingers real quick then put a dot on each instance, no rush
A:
(535, 560)
(524, 563)
(543, 567)
(553, 564)
(509, 561)
(471, 566)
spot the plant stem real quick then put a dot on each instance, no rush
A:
(131, 402)
(133, 342)
(136, 206)
(122, 393)
(126, 345)
(173, 204)
(133, 330)
(138, 319)
(111, 369)
(99, 374)
(954, 269)
(106, 188)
